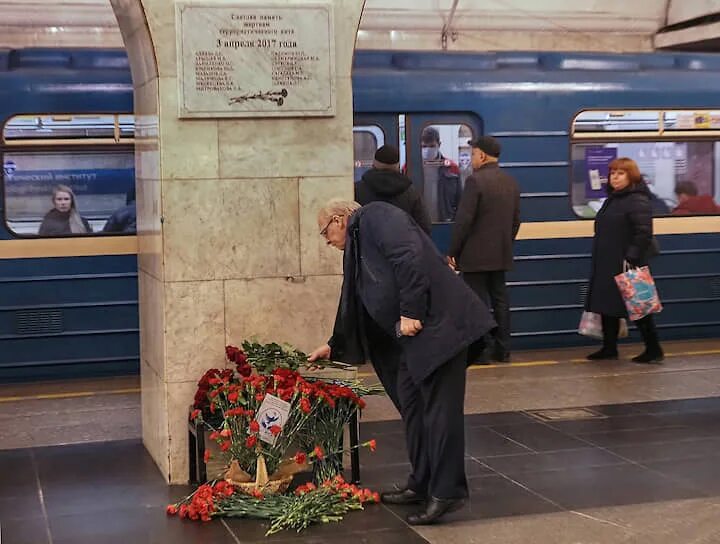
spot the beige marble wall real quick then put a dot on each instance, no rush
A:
(227, 232)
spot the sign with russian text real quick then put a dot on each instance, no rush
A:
(245, 60)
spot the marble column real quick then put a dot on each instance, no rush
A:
(228, 246)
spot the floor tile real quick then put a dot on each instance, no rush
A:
(538, 437)
(26, 506)
(614, 423)
(24, 531)
(499, 418)
(557, 460)
(18, 473)
(482, 442)
(702, 473)
(135, 526)
(684, 449)
(590, 487)
(644, 436)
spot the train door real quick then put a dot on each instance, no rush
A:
(437, 150)
(371, 131)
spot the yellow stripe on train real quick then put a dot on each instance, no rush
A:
(127, 245)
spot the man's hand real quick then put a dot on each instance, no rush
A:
(323, 352)
(452, 264)
(409, 326)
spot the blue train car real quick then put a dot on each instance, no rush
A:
(561, 117)
(68, 305)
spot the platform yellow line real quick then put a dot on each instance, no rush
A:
(76, 394)
(549, 362)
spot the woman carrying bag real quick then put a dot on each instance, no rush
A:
(623, 236)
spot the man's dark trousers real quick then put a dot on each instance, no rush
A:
(433, 414)
(490, 287)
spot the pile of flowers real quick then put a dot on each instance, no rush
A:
(270, 423)
(310, 503)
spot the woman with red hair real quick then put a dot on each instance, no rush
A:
(623, 233)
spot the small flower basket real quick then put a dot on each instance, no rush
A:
(256, 413)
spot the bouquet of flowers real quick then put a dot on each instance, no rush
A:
(271, 422)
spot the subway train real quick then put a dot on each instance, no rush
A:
(68, 305)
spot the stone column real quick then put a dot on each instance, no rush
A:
(228, 245)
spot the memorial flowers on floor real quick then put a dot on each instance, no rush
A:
(271, 422)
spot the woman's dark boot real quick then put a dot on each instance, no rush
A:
(653, 353)
(611, 327)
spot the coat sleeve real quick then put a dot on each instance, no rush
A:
(641, 230)
(420, 214)
(403, 248)
(465, 216)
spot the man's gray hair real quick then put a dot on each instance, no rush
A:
(343, 208)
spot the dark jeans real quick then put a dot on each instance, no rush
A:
(490, 287)
(433, 415)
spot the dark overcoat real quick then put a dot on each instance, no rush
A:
(487, 221)
(623, 232)
(392, 269)
(57, 223)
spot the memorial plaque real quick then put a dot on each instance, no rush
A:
(269, 60)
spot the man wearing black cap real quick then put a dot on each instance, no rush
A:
(481, 246)
(384, 182)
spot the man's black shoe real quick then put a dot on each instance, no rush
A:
(402, 496)
(435, 509)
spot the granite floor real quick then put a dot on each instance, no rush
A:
(641, 466)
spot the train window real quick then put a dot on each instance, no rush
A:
(366, 140)
(677, 151)
(69, 174)
(25, 128)
(446, 164)
(39, 187)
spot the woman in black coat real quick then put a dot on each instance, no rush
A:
(623, 232)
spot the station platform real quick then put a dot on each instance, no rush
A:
(558, 450)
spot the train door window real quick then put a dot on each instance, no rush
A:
(366, 140)
(69, 175)
(446, 164)
(677, 153)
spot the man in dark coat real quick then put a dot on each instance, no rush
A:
(442, 185)
(385, 182)
(395, 280)
(124, 219)
(481, 246)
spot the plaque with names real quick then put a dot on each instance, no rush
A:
(246, 60)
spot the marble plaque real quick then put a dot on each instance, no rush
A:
(247, 60)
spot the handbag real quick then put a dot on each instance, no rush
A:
(591, 325)
(638, 291)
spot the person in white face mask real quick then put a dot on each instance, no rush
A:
(442, 185)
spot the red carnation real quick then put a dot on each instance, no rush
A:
(254, 426)
(276, 430)
(251, 441)
(171, 510)
(206, 457)
(226, 433)
(300, 458)
(319, 453)
(372, 444)
(225, 446)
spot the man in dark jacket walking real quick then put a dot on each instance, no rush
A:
(385, 182)
(481, 246)
(395, 280)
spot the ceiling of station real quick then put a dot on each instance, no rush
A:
(465, 24)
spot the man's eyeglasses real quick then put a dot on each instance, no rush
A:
(324, 231)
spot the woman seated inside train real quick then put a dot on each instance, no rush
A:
(64, 218)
